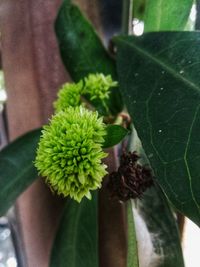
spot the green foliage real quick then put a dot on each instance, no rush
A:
(83, 52)
(76, 243)
(160, 82)
(170, 15)
(114, 135)
(132, 255)
(161, 15)
(94, 86)
(139, 7)
(70, 152)
(17, 169)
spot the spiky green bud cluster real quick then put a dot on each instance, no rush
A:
(70, 152)
(69, 95)
(98, 86)
(95, 86)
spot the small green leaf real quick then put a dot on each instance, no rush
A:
(159, 79)
(83, 52)
(115, 134)
(76, 243)
(17, 169)
(132, 258)
(162, 15)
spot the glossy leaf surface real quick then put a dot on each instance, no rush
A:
(159, 79)
(76, 243)
(162, 15)
(115, 134)
(83, 52)
(17, 169)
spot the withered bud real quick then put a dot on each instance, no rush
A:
(131, 179)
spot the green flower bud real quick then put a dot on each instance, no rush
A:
(70, 152)
(98, 86)
(69, 95)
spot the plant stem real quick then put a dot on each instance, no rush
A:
(127, 17)
(132, 257)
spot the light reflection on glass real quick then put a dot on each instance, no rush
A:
(7, 253)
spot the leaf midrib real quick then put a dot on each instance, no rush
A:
(176, 75)
(164, 66)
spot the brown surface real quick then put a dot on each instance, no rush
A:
(112, 225)
(33, 72)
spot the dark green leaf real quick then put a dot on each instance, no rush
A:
(76, 243)
(159, 78)
(132, 258)
(82, 51)
(17, 169)
(114, 135)
(162, 15)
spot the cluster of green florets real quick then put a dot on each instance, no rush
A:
(98, 86)
(70, 150)
(95, 86)
(69, 95)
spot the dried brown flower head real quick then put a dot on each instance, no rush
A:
(131, 179)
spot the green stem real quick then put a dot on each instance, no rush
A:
(132, 258)
(127, 17)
